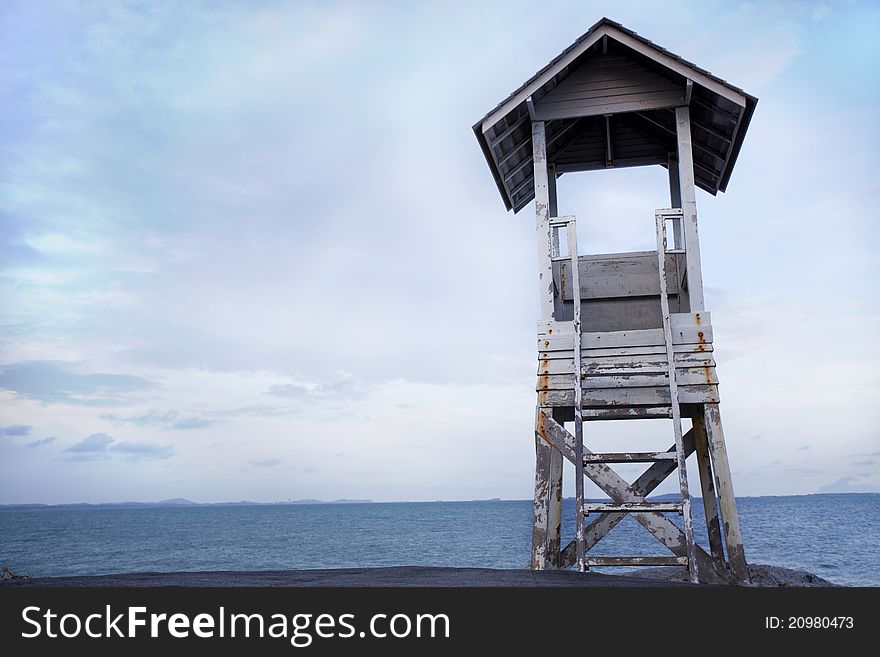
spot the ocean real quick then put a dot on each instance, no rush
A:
(834, 536)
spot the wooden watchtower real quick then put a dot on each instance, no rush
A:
(624, 335)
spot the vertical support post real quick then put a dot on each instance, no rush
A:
(543, 450)
(689, 208)
(542, 220)
(554, 207)
(707, 485)
(554, 509)
(675, 198)
(724, 485)
(543, 456)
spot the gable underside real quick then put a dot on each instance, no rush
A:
(640, 96)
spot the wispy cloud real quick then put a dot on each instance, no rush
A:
(266, 463)
(168, 420)
(16, 430)
(99, 445)
(142, 450)
(96, 442)
(57, 382)
(42, 442)
(344, 388)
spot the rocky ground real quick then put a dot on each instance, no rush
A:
(761, 575)
(415, 576)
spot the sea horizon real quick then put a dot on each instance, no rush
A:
(800, 532)
(181, 501)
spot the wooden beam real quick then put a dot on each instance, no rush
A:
(618, 164)
(648, 101)
(554, 508)
(542, 219)
(542, 79)
(504, 134)
(554, 210)
(689, 208)
(707, 486)
(609, 152)
(675, 198)
(678, 66)
(617, 489)
(724, 485)
(530, 108)
(541, 521)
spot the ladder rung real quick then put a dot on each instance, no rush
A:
(636, 561)
(629, 457)
(627, 412)
(633, 507)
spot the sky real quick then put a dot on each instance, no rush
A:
(253, 250)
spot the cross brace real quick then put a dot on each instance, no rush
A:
(619, 490)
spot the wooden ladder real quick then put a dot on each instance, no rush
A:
(682, 507)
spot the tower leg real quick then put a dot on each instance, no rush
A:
(543, 456)
(707, 485)
(546, 530)
(718, 452)
(554, 512)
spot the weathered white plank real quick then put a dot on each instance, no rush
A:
(627, 413)
(542, 219)
(678, 320)
(689, 207)
(724, 485)
(638, 364)
(657, 396)
(685, 376)
(623, 365)
(639, 338)
(635, 353)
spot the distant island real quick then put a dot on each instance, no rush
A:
(178, 502)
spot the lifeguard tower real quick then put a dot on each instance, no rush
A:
(625, 335)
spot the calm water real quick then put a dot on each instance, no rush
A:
(834, 536)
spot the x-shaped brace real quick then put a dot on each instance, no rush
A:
(619, 490)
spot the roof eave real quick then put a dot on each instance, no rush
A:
(749, 110)
(484, 146)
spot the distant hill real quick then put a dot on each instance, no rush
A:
(177, 502)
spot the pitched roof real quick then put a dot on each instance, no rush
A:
(641, 131)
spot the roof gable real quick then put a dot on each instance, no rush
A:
(612, 70)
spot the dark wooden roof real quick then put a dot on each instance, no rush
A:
(613, 71)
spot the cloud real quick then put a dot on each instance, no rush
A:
(867, 462)
(170, 420)
(16, 430)
(100, 444)
(151, 417)
(138, 451)
(58, 382)
(42, 442)
(851, 484)
(309, 469)
(345, 388)
(266, 463)
(97, 442)
(192, 423)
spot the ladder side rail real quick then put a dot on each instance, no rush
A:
(673, 396)
(578, 397)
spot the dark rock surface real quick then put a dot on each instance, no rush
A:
(762, 575)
